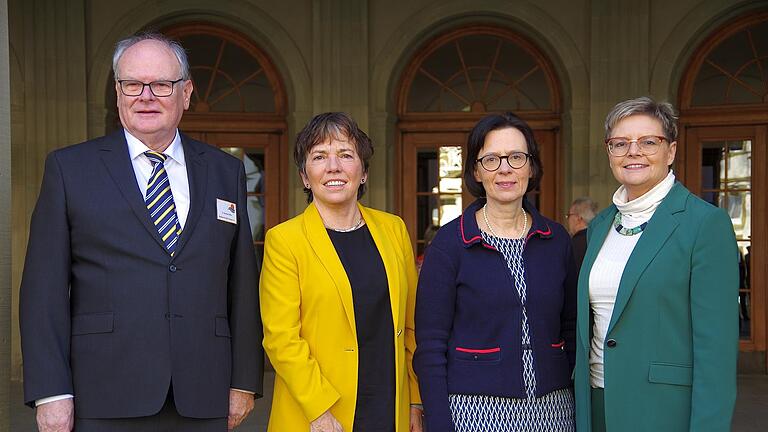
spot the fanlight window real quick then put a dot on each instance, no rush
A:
(477, 71)
(229, 75)
(735, 69)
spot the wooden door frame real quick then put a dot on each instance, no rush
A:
(247, 123)
(713, 121)
(463, 123)
(759, 261)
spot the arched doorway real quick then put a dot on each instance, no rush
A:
(450, 83)
(724, 126)
(239, 105)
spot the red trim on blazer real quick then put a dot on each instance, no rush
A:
(540, 232)
(478, 351)
(473, 239)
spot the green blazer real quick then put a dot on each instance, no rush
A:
(675, 323)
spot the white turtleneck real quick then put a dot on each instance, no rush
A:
(609, 266)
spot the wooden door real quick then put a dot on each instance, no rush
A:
(260, 153)
(431, 186)
(726, 166)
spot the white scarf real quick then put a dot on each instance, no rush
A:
(640, 209)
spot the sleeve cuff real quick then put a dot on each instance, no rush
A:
(243, 391)
(53, 399)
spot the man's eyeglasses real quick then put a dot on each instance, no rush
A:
(648, 145)
(158, 88)
(492, 162)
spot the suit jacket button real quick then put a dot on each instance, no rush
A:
(611, 343)
(172, 268)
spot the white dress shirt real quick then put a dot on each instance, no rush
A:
(175, 167)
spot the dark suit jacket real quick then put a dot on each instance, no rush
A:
(579, 242)
(108, 315)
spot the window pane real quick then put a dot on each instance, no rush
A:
(450, 207)
(253, 162)
(712, 165)
(427, 212)
(426, 171)
(745, 290)
(450, 169)
(745, 315)
(726, 182)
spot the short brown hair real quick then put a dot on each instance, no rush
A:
(332, 125)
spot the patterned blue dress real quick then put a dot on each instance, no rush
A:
(553, 411)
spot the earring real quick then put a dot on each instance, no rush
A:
(306, 186)
(362, 180)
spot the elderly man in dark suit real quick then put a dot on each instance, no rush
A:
(139, 304)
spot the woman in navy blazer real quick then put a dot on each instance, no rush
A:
(495, 309)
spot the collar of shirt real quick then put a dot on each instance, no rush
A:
(137, 148)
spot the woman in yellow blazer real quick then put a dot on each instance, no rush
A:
(337, 297)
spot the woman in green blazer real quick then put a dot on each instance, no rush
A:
(657, 331)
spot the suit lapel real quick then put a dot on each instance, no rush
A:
(116, 158)
(388, 256)
(655, 235)
(596, 234)
(197, 174)
(323, 247)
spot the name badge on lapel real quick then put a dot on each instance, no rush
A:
(226, 211)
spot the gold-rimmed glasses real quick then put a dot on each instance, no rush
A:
(648, 145)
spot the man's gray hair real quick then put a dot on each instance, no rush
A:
(175, 47)
(585, 207)
(661, 111)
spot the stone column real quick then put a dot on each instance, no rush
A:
(49, 112)
(619, 70)
(340, 72)
(5, 221)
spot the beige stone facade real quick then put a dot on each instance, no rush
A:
(345, 55)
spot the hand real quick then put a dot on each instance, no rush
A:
(240, 405)
(417, 418)
(56, 416)
(325, 423)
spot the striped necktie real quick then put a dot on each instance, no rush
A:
(162, 209)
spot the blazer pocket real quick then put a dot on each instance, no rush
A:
(102, 322)
(670, 373)
(222, 326)
(488, 355)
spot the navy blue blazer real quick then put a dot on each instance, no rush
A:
(469, 318)
(107, 314)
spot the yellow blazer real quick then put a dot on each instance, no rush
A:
(309, 320)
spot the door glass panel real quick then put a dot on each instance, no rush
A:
(726, 182)
(450, 169)
(439, 186)
(254, 163)
(428, 216)
(426, 171)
